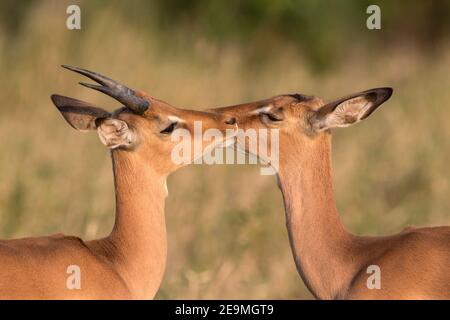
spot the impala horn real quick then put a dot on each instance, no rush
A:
(113, 89)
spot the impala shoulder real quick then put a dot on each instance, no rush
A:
(65, 242)
(61, 237)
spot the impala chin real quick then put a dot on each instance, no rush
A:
(230, 137)
(228, 140)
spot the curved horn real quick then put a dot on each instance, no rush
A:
(113, 89)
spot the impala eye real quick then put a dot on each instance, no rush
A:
(271, 117)
(169, 128)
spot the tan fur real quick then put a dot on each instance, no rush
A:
(331, 261)
(130, 262)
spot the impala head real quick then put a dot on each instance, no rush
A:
(302, 120)
(143, 125)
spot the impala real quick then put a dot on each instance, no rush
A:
(332, 262)
(130, 262)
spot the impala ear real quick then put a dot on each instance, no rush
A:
(83, 116)
(79, 114)
(115, 133)
(350, 109)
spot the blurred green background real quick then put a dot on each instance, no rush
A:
(226, 227)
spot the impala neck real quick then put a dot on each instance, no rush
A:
(139, 233)
(322, 248)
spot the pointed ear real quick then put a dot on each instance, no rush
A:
(79, 114)
(350, 109)
(83, 116)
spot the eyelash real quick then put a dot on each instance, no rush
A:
(270, 117)
(170, 128)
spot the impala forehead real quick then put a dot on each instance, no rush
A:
(121, 110)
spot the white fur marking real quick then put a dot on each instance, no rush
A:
(165, 188)
(262, 109)
(175, 119)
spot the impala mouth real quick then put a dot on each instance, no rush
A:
(240, 147)
(231, 139)
(241, 150)
(228, 141)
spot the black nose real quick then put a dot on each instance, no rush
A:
(231, 121)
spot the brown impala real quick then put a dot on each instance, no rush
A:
(333, 263)
(130, 262)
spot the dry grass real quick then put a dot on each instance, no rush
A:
(227, 236)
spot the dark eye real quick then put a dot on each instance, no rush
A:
(271, 117)
(170, 128)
